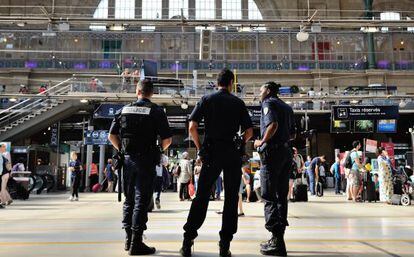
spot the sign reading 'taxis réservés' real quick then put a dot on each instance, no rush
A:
(365, 112)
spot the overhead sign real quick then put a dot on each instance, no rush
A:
(96, 137)
(365, 112)
(107, 111)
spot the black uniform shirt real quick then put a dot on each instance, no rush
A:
(224, 114)
(275, 110)
(157, 113)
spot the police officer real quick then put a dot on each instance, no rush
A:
(277, 128)
(135, 130)
(224, 115)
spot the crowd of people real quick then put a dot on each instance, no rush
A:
(348, 174)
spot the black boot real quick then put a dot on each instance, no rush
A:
(224, 249)
(128, 235)
(275, 246)
(138, 247)
(186, 248)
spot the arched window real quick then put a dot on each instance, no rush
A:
(152, 9)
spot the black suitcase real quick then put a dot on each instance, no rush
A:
(319, 189)
(368, 190)
(300, 193)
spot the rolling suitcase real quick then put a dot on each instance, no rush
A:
(396, 199)
(368, 190)
(330, 182)
(300, 193)
(319, 189)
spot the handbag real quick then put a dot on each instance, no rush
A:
(191, 190)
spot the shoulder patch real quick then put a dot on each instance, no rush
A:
(265, 110)
(136, 110)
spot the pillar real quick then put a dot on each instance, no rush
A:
(191, 10)
(111, 9)
(165, 9)
(370, 36)
(138, 9)
(89, 152)
(245, 9)
(101, 162)
(219, 10)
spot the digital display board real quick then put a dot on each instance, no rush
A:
(387, 126)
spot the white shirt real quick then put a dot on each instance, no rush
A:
(185, 174)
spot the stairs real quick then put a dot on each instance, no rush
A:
(33, 115)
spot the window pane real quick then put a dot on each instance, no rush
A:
(231, 9)
(254, 12)
(101, 12)
(176, 6)
(205, 9)
(124, 9)
(151, 9)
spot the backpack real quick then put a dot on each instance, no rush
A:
(177, 171)
(348, 161)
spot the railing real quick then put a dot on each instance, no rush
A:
(32, 105)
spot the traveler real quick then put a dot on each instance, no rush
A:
(159, 180)
(134, 131)
(246, 181)
(336, 172)
(277, 129)
(5, 171)
(75, 168)
(197, 170)
(299, 166)
(355, 172)
(94, 176)
(224, 116)
(386, 189)
(109, 174)
(185, 177)
(313, 172)
(256, 186)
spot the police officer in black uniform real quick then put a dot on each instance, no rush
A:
(224, 115)
(135, 130)
(277, 128)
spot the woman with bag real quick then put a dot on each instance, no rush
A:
(5, 171)
(386, 188)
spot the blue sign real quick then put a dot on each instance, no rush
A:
(387, 126)
(96, 137)
(107, 111)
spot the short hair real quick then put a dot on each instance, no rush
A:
(146, 87)
(273, 87)
(225, 77)
(355, 143)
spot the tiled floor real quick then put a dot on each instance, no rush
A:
(49, 225)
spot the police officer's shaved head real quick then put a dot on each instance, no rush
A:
(145, 88)
(225, 78)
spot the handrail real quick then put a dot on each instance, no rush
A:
(21, 103)
(32, 105)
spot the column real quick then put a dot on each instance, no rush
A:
(370, 36)
(89, 150)
(111, 9)
(138, 9)
(245, 9)
(191, 10)
(165, 9)
(219, 11)
(101, 162)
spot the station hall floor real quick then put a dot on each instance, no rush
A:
(50, 225)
